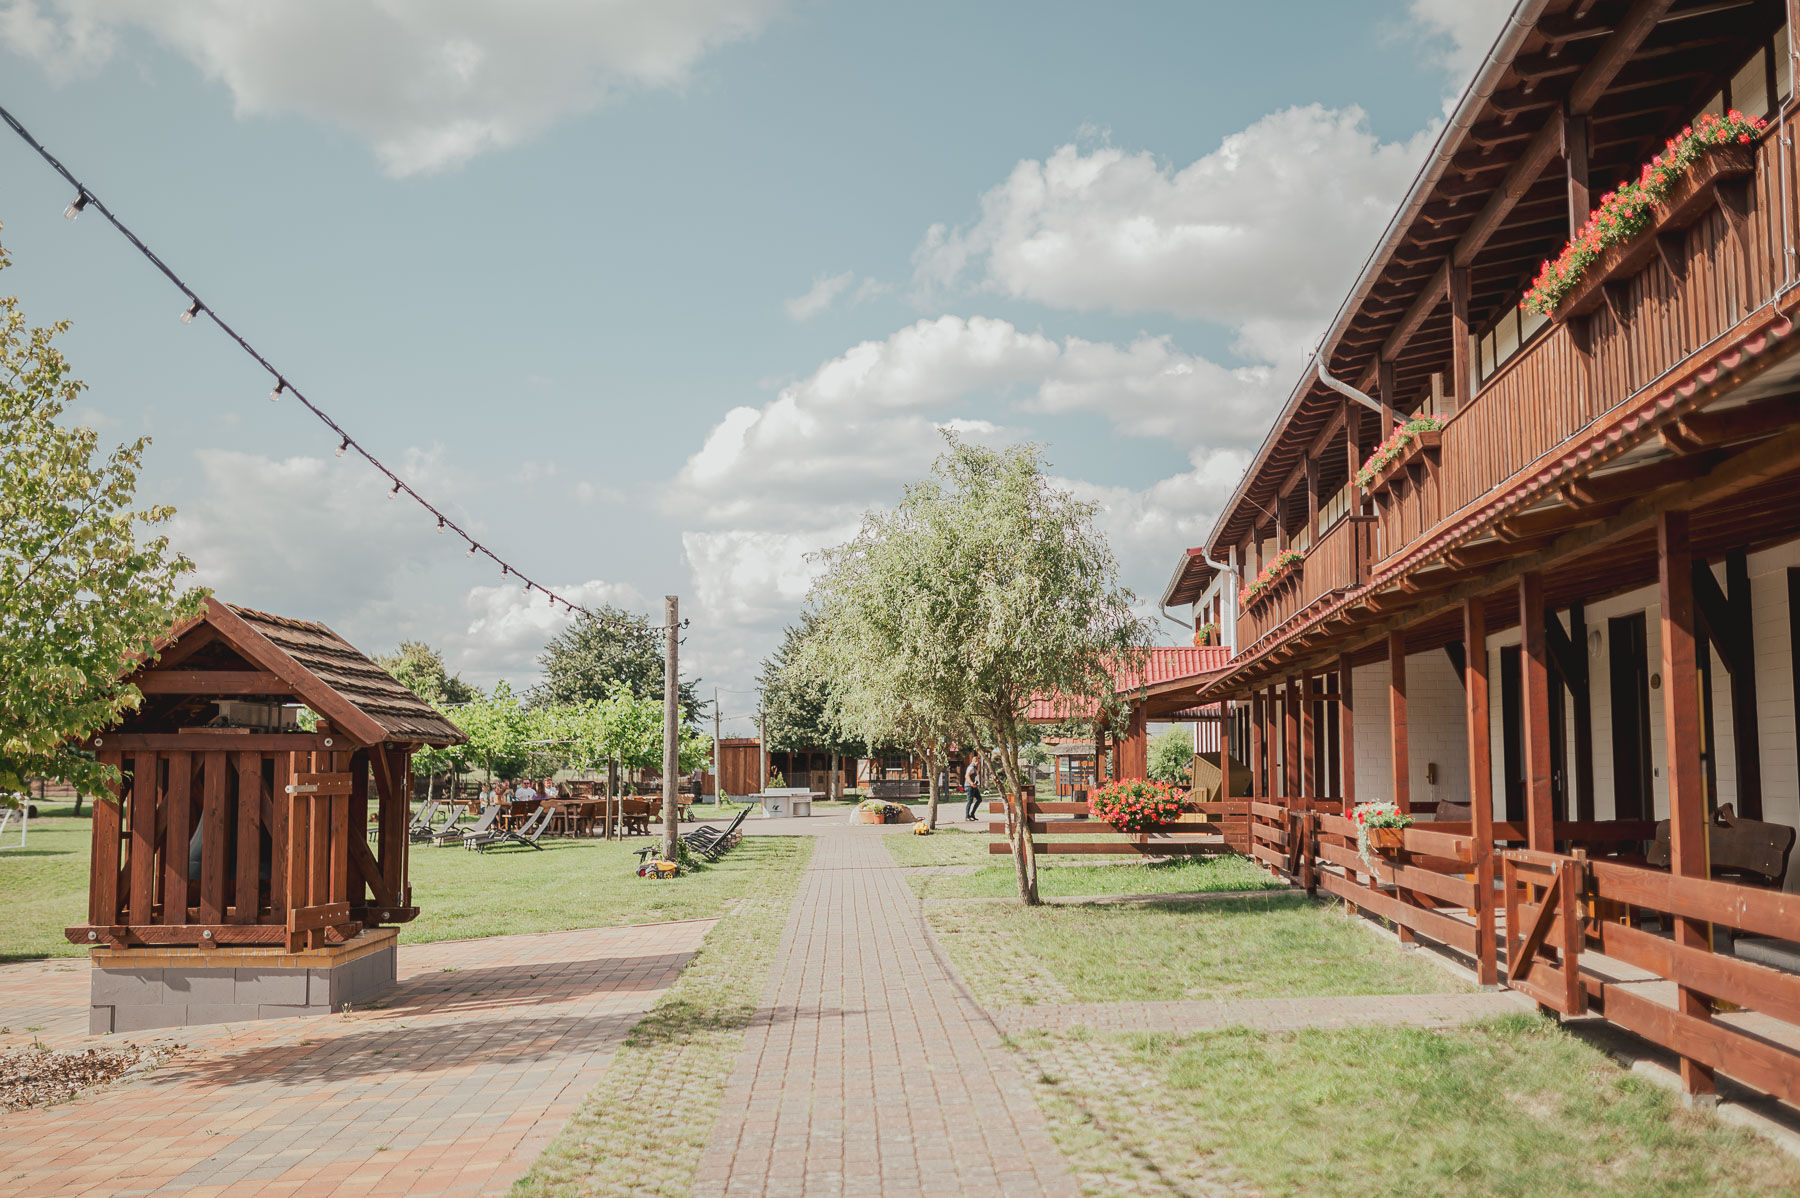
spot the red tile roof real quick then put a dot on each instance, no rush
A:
(1167, 663)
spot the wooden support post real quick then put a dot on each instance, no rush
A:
(1352, 451)
(1746, 740)
(1400, 767)
(1384, 376)
(213, 846)
(1463, 389)
(1534, 706)
(1309, 775)
(1290, 742)
(1346, 734)
(1681, 727)
(141, 865)
(1312, 501)
(1257, 785)
(1581, 692)
(178, 804)
(249, 837)
(1575, 160)
(1481, 786)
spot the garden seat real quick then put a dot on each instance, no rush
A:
(482, 829)
(526, 834)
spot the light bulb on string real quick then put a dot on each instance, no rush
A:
(395, 493)
(440, 526)
(472, 548)
(342, 446)
(75, 207)
(280, 386)
(193, 310)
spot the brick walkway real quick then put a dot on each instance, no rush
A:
(1265, 1014)
(476, 1060)
(866, 1071)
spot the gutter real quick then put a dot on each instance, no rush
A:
(1525, 16)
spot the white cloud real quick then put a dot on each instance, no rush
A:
(822, 294)
(507, 629)
(428, 84)
(1460, 32)
(1262, 235)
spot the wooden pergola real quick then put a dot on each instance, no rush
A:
(231, 825)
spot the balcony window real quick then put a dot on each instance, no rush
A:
(1778, 52)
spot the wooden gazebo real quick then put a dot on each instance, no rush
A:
(240, 841)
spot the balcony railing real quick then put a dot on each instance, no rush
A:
(1707, 277)
(1337, 561)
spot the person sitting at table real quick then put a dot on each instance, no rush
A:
(550, 791)
(486, 796)
(525, 792)
(502, 793)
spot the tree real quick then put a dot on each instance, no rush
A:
(498, 728)
(420, 668)
(984, 586)
(1172, 757)
(797, 703)
(86, 582)
(612, 646)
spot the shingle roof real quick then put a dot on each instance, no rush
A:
(1166, 663)
(353, 677)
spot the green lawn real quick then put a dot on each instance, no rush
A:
(642, 1130)
(570, 884)
(943, 847)
(1281, 946)
(1513, 1106)
(1063, 877)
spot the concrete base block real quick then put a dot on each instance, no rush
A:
(138, 989)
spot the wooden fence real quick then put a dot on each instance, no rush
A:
(1216, 827)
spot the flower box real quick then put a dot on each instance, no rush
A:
(1427, 441)
(1387, 840)
(1688, 201)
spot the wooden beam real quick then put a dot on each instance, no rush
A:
(1575, 137)
(267, 742)
(1481, 785)
(1581, 707)
(1462, 389)
(1619, 485)
(1749, 422)
(1681, 738)
(1347, 732)
(1399, 764)
(1586, 91)
(157, 681)
(1534, 697)
(1427, 299)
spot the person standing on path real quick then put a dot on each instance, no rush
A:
(972, 784)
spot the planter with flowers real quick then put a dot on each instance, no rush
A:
(1379, 829)
(1207, 634)
(1136, 804)
(1285, 566)
(1410, 440)
(1673, 190)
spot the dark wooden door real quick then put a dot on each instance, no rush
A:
(1629, 660)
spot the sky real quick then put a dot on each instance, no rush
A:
(658, 296)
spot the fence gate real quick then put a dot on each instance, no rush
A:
(1544, 927)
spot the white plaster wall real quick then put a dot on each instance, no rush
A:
(1434, 729)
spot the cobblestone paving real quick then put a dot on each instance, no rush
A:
(454, 1086)
(866, 1071)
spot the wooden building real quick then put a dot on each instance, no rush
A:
(1559, 619)
(244, 867)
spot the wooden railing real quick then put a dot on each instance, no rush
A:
(1216, 827)
(1716, 271)
(1337, 561)
(281, 856)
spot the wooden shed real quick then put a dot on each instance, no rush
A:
(239, 841)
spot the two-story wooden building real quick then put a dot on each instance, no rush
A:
(1557, 618)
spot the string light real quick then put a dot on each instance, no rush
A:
(440, 526)
(85, 198)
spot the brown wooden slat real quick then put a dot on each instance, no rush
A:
(280, 808)
(1121, 848)
(178, 804)
(1452, 888)
(1765, 912)
(249, 836)
(214, 843)
(142, 844)
(318, 858)
(1441, 928)
(103, 877)
(1715, 1045)
(210, 682)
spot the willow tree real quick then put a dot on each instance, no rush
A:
(986, 584)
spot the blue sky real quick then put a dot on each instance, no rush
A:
(659, 296)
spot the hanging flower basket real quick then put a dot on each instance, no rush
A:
(1206, 634)
(1673, 190)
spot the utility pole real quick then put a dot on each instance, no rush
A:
(671, 713)
(718, 778)
(762, 748)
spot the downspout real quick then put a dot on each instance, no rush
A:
(1343, 388)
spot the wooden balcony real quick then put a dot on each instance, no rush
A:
(1336, 562)
(1653, 312)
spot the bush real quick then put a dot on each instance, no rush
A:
(1134, 804)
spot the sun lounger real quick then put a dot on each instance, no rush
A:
(482, 829)
(526, 834)
(706, 840)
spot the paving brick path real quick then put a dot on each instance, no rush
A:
(478, 1057)
(866, 1071)
(1265, 1014)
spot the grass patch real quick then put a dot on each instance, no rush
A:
(574, 883)
(946, 846)
(1282, 946)
(644, 1127)
(44, 886)
(1184, 875)
(1513, 1106)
